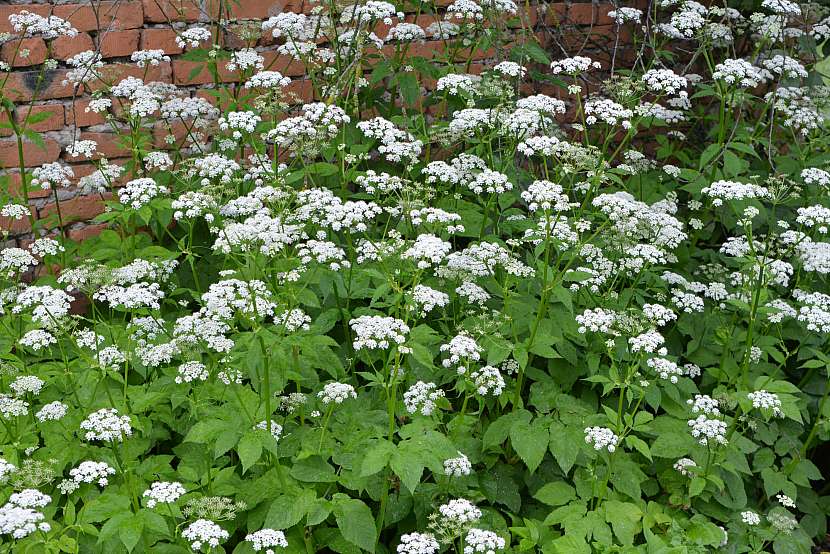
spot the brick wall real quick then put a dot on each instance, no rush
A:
(116, 28)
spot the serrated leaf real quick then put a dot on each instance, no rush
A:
(355, 521)
(528, 440)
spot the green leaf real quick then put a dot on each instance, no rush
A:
(355, 521)
(313, 470)
(410, 90)
(624, 518)
(377, 457)
(639, 445)
(528, 440)
(672, 445)
(407, 463)
(697, 486)
(249, 450)
(287, 510)
(557, 493)
(564, 444)
(130, 531)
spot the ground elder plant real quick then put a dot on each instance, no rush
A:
(433, 310)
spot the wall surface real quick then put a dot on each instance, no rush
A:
(117, 28)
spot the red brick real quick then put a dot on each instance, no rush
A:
(11, 52)
(110, 15)
(109, 144)
(66, 47)
(33, 155)
(80, 208)
(247, 9)
(163, 11)
(54, 122)
(22, 84)
(116, 44)
(160, 39)
(85, 232)
(77, 115)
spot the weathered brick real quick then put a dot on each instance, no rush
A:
(33, 155)
(80, 208)
(248, 9)
(163, 11)
(53, 122)
(85, 232)
(160, 39)
(22, 86)
(110, 15)
(76, 115)
(12, 52)
(115, 44)
(110, 145)
(66, 47)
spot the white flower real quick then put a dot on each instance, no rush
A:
(276, 428)
(151, 57)
(82, 148)
(625, 15)
(785, 66)
(421, 398)
(52, 175)
(337, 393)
(12, 407)
(418, 543)
(192, 371)
(267, 540)
(428, 299)
(244, 59)
(461, 348)
(139, 192)
(750, 518)
(31, 24)
(267, 80)
(704, 404)
(53, 411)
(574, 66)
(21, 522)
(26, 384)
(785, 501)
(193, 37)
(91, 472)
(30, 498)
(486, 542)
(683, 465)
(601, 438)
(163, 492)
(706, 429)
(459, 511)
(204, 532)
(38, 339)
(458, 467)
(6, 469)
(378, 332)
(106, 425)
(766, 401)
(488, 380)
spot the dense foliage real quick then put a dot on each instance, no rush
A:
(463, 319)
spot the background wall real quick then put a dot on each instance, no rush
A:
(119, 27)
